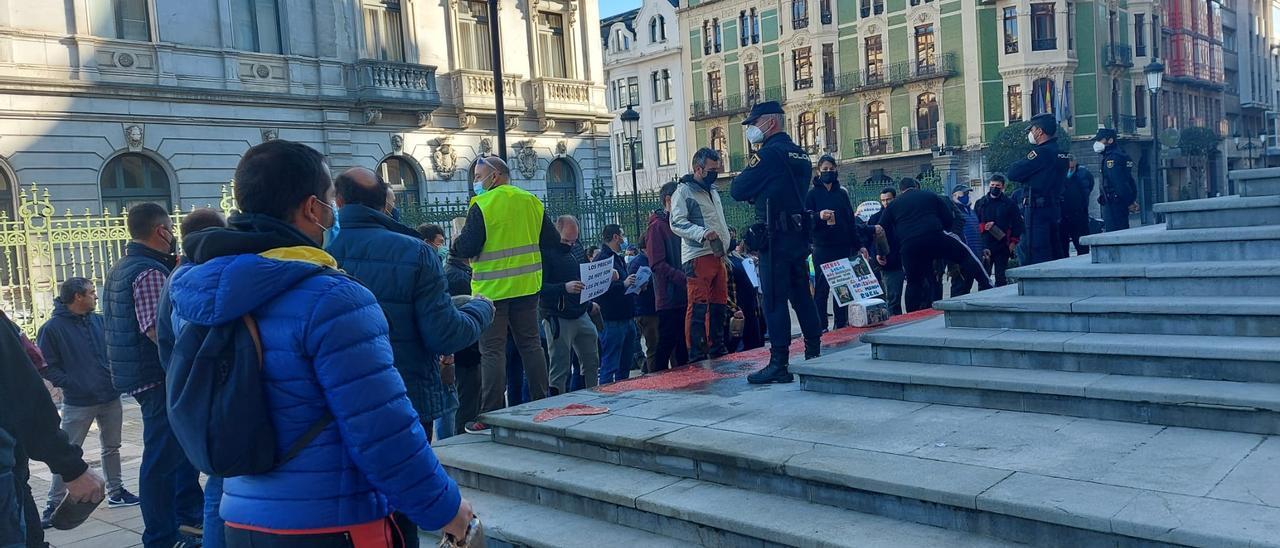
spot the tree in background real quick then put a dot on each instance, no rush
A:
(1197, 144)
(1011, 145)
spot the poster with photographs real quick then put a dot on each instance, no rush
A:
(851, 280)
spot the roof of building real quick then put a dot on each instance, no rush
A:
(627, 17)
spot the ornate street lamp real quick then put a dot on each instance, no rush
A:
(631, 128)
(1155, 73)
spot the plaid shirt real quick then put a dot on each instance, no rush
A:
(146, 298)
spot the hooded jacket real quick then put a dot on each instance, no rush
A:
(326, 349)
(695, 210)
(75, 349)
(663, 247)
(406, 277)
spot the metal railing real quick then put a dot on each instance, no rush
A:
(1044, 44)
(873, 146)
(733, 104)
(1117, 55)
(1124, 124)
(942, 66)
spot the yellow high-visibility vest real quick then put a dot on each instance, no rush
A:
(510, 264)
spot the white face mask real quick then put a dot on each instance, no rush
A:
(1099, 147)
(754, 135)
(1031, 138)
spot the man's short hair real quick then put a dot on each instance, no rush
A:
(143, 218)
(561, 220)
(908, 183)
(497, 164)
(890, 191)
(669, 189)
(275, 177)
(703, 155)
(73, 286)
(200, 219)
(352, 191)
(429, 231)
(998, 178)
(610, 231)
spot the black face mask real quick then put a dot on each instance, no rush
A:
(828, 177)
(710, 176)
(995, 192)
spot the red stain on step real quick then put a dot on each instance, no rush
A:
(742, 364)
(571, 410)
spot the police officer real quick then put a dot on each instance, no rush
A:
(1043, 173)
(775, 181)
(1118, 195)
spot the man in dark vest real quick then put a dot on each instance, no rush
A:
(168, 484)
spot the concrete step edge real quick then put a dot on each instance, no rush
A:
(674, 497)
(1203, 347)
(1106, 304)
(1191, 269)
(1158, 234)
(1171, 391)
(1221, 203)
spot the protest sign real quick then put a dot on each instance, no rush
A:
(851, 280)
(596, 277)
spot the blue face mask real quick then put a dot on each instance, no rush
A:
(395, 214)
(477, 187)
(331, 232)
(964, 199)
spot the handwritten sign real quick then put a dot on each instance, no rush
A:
(851, 280)
(596, 277)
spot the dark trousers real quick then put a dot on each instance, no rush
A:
(28, 512)
(787, 282)
(822, 290)
(468, 382)
(918, 256)
(672, 351)
(1115, 216)
(167, 484)
(1072, 230)
(1041, 239)
(891, 281)
(1000, 263)
(13, 495)
(243, 538)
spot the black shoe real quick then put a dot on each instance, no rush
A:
(775, 372)
(812, 349)
(188, 541)
(122, 498)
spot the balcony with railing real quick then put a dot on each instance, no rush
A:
(473, 91)
(1124, 124)
(942, 66)
(1117, 55)
(873, 146)
(1044, 44)
(733, 104)
(562, 97)
(385, 81)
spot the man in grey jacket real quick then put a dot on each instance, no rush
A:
(697, 217)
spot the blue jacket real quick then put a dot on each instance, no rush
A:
(326, 348)
(406, 277)
(75, 347)
(134, 359)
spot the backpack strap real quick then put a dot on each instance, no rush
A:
(306, 438)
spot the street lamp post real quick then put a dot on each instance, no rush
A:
(1155, 73)
(499, 104)
(631, 127)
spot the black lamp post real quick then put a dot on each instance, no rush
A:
(1155, 73)
(631, 127)
(499, 104)
(1248, 145)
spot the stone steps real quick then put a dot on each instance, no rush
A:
(1080, 277)
(1257, 182)
(1156, 244)
(1038, 479)
(1223, 211)
(1240, 359)
(1003, 308)
(1190, 403)
(627, 506)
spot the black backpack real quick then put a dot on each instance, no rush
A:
(217, 399)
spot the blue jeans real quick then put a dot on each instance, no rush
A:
(446, 425)
(213, 535)
(618, 350)
(168, 485)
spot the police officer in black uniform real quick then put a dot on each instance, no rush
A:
(1043, 173)
(775, 182)
(1118, 195)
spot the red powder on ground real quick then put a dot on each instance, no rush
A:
(571, 410)
(743, 363)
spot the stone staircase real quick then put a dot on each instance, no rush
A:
(1127, 398)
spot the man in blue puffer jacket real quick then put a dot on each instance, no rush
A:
(326, 351)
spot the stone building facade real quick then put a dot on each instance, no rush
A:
(114, 102)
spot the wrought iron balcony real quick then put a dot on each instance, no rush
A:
(1117, 55)
(384, 81)
(1044, 44)
(1124, 124)
(562, 97)
(473, 91)
(733, 104)
(873, 146)
(942, 66)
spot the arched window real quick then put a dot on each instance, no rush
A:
(562, 179)
(657, 29)
(927, 120)
(877, 128)
(7, 184)
(403, 177)
(718, 142)
(1043, 96)
(808, 126)
(130, 179)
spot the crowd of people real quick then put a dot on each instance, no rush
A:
(371, 339)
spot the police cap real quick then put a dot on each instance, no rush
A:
(1046, 122)
(1104, 133)
(767, 107)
